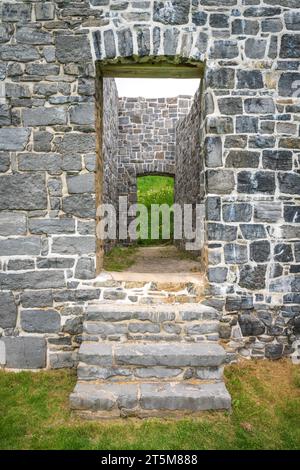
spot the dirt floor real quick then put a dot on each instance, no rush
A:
(163, 259)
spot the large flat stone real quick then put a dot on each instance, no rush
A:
(99, 354)
(14, 138)
(104, 396)
(184, 396)
(170, 354)
(120, 312)
(24, 352)
(23, 192)
(8, 310)
(40, 321)
(12, 223)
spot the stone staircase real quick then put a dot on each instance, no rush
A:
(144, 360)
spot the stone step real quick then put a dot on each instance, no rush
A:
(153, 313)
(173, 354)
(86, 372)
(112, 400)
(103, 328)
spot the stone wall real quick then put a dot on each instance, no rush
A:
(147, 136)
(189, 167)
(47, 159)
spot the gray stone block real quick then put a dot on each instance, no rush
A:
(19, 53)
(82, 114)
(220, 181)
(218, 274)
(72, 48)
(176, 12)
(44, 116)
(235, 253)
(125, 42)
(23, 192)
(98, 354)
(51, 226)
(44, 11)
(268, 211)
(104, 397)
(33, 36)
(20, 246)
(256, 182)
(40, 321)
(16, 12)
(221, 232)
(71, 245)
(24, 352)
(184, 396)
(75, 143)
(251, 325)
(14, 138)
(51, 162)
(8, 310)
(169, 354)
(123, 312)
(83, 205)
(260, 251)
(4, 162)
(213, 151)
(85, 268)
(81, 183)
(253, 277)
(203, 328)
(33, 299)
(62, 360)
(33, 280)
(13, 223)
(237, 212)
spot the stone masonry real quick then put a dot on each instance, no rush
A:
(249, 162)
(147, 139)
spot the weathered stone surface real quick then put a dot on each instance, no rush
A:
(73, 326)
(4, 162)
(174, 12)
(71, 48)
(20, 246)
(85, 268)
(218, 274)
(14, 138)
(62, 360)
(274, 350)
(33, 280)
(24, 352)
(162, 354)
(237, 212)
(220, 181)
(258, 182)
(289, 183)
(104, 397)
(16, 12)
(23, 192)
(82, 114)
(221, 232)
(12, 223)
(290, 46)
(260, 251)
(44, 11)
(213, 154)
(277, 159)
(286, 84)
(51, 162)
(49, 226)
(242, 159)
(253, 277)
(77, 143)
(82, 205)
(33, 299)
(40, 321)
(19, 52)
(249, 79)
(81, 183)
(96, 353)
(34, 36)
(44, 117)
(71, 245)
(8, 310)
(125, 42)
(235, 253)
(251, 325)
(182, 396)
(268, 211)
(253, 231)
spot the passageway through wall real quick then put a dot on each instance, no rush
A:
(148, 153)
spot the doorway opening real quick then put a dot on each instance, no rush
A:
(148, 155)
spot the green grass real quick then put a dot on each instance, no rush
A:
(34, 414)
(119, 258)
(155, 190)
